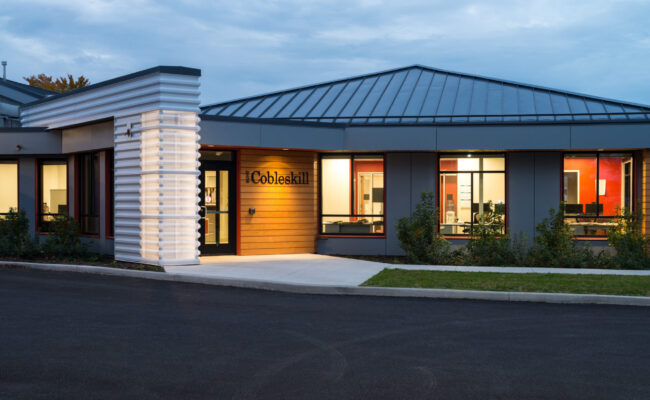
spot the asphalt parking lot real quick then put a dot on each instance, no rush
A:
(67, 335)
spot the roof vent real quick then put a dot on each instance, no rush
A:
(4, 70)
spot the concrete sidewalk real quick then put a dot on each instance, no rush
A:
(316, 269)
(310, 269)
(325, 275)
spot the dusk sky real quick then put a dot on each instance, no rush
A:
(253, 47)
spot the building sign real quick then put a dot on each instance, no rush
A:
(275, 178)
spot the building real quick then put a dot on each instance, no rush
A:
(154, 178)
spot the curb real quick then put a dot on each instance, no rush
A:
(562, 298)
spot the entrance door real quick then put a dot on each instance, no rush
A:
(217, 208)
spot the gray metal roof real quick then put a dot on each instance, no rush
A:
(12, 96)
(20, 93)
(423, 95)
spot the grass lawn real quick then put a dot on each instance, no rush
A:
(623, 285)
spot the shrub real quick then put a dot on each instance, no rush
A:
(488, 243)
(631, 245)
(554, 245)
(64, 240)
(15, 240)
(419, 237)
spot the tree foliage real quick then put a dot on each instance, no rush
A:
(61, 84)
(631, 245)
(419, 237)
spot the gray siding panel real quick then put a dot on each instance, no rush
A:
(241, 134)
(352, 246)
(521, 193)
(426, 138)
(549, 137)
(390, 138)
(31, 142)
(88, 137)
(301, 137)
(610, 136)
(424, 170)
(548, 175)
(230, 133)
(398, 196)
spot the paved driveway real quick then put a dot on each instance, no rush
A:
(309, 269)
(82, 336)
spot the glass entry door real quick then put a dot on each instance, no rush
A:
(217, 208)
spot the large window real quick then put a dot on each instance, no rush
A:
(88, 192)
(52, 193)
(471, 185)
(9, 192)
(596, 187)
(352, 193)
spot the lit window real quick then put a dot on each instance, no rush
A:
(9, 192)
(352, 189)
(88, 175)
(470, 186)
(53, 192)
(596, 187)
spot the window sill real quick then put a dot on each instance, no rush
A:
(594, 238)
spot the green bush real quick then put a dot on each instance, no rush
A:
(488, 243)
(419, 236)
(631, 245)
(64, 241)
(554, 245)
(15, 240)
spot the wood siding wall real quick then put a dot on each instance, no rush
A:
(286, 216)
(645, 194)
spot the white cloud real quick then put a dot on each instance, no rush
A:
(261, 45)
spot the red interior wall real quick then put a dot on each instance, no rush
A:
(610, 170)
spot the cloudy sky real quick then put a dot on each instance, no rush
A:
(252, 47)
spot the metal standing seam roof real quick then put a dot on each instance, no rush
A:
(32, 91)
(423, 95)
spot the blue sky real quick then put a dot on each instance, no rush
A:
(252, 47)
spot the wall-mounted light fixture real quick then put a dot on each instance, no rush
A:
(251, 210)
(19, 147)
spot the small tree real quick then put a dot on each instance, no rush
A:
(488, 243)
(15, 240)
(419, 237)
(631, 245)
(64, 239)
(554, 245)
(61, 84)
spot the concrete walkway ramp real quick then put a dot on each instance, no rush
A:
(312, 269)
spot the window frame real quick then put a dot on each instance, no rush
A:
(79, 190)
(39, 190)
(471, 173)
(109, 192)
(16, 161)
(352, 198)
(632, 154)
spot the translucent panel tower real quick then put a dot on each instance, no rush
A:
(156, 124)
